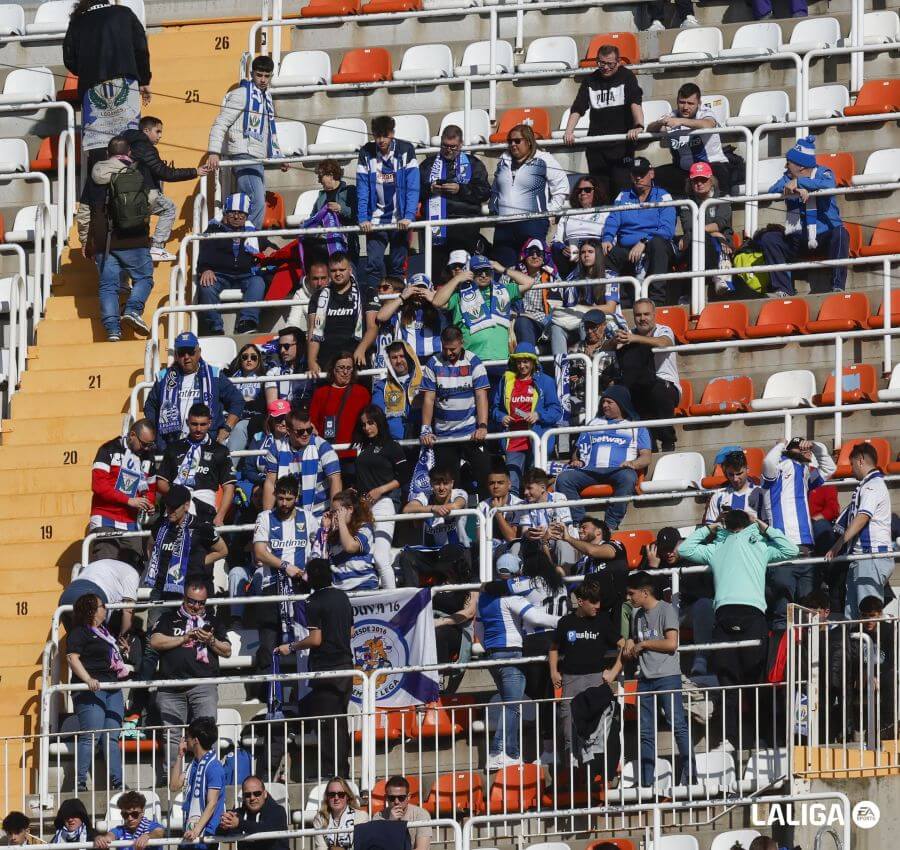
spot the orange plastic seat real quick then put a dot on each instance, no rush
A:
(728, 394)
(621, 843)
(634, 543)
(378, 792)
(598, 491)
(69, 92)
(454, 795)
(365, 65)
(687, 398)
(374, 7)
(629, 710)
(330, 8)
(877, 321)
(392, 724)
(854, 230)
(47, 159)
(516, 788)
(586, 792)
(841, 311)
(885, 239)
(436, 722)
(274, 217)
(629, 51)
(535, 117)
(754, 469)
(727, 320)
(859, 385)
(842, 164)
(781, 317)
(675, 318)
(882, 449)
(875, 97)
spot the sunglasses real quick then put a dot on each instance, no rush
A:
(340, 795)
(396, 798)
(301, 431)
(343, 368)
(252, 794)
(194, 603)
(385, 287)
(582, 190)
(144, 444)
(277, 420)
(517, 141)
(249, 357)
(612, 64)
(185, 352)
(482, 272)
(285, 345)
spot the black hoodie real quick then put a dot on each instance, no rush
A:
(270, 818)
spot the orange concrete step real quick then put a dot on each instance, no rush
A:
(58, 429)
(84, 378)
(73, 332)
(34, 581)
(27, 629)
(66, 307)
(47, 555)
(22, 505)
(63, 480)
(27, 405)
(48, 456)
(38, 605)
(86, 355)
(34, 529)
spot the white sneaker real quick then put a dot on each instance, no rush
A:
(726, 746)
(720, 284)
(689, 22)
(499, 761)
(160, 255)
(656, 26)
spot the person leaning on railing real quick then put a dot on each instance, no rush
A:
(339, 813)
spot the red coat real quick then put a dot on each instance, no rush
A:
(326, 401)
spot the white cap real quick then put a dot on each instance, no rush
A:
(458, 258)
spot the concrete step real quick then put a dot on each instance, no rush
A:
(26, 405)
(27, 629)
(43, 504)
(34, 581)
(64, 480)
(85, 378)
(47, 555)
(34, 605)
(48, 457)
(129, 352)
(74, 332)
(65, 307)
(34, 529)
(60, 429)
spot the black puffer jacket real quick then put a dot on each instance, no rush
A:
(104, 43)
(155, 171)
(271, 818)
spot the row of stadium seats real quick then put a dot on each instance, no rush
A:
(51, 18)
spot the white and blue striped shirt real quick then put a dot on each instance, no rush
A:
(355, 571)
(290, 539)
(501, 620)
(439, 531)
(312, 465)
(610, 449)
(542, 517)
(454, 386)
(535, 591)
(750, 498)
(872, 498)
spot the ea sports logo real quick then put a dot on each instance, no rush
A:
(866, 814)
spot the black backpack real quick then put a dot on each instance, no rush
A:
(128, 202)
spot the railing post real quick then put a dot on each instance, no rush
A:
(857, 70)
(887, 310)
(467, 111)
(428, 234)
(838, 389)
(492, 59)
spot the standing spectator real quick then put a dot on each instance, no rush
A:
(248, 364)
(72, 823)
(258, 813)
(315, 277)
(123, 486)
(397, 393)
(398, 807)
(811, 225)
(329, 618)
(613, 456)
(290, 362)
(17, 828)
(690, 114)
(112, 582)
(191, 380)
(614, 98)
(204, 785)
(453, 184)
(308, 457)
(739, 552)
(524, 399)
(120, 243)
(641, 239)
(573, 230)
(381, 470)
(654, 645)
(339, 813)
(94, 657)
(651, 376)
(190, 640)
(135, 827)
(341, 317)
(865, 527)
(534, 308)
(413, 319)
(351, 542)
(684, 15)
(524, 179)
(245, 129)
(201, 465)
(455, 404)
(143, 143)
(762, 10)
(824, 509)
(335, 206)
(387, 192)
(739, 493)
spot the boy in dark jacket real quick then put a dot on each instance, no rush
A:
(258, 813)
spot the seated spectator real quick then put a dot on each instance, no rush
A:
(812, 226)
(536, 524)
(387, 192)
(351, 542)
(505, 524)
(72, 823)
(762, 10)
(135, 827)
(341, 317)
(573, 230)
(119, 241)
(525, 399)
(589, 265)
(205, 782)
(397, 393)
(638, 240)
(112, 582)
(412, 318)
(95, 658)
(245, 129)
(453, 184)
(524, 179)
(314, 278)
(684, 15)
(687, 149)
(230, 264)
(598, 325)
(17, 828)
(335, 206)
(191, 380)
(307, 456)
(398, 807)
(739, 493)
(202, 466)
(273, 436)
(290, 362)
(339, 813)
(123, 486)
(143, 143)
(258, 813)
(248, 364)
(534, 308)
(613, 456)
(882, 644)
(703, 185)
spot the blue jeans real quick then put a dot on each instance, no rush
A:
(516, 464)
(528, 330)
(395, 244)
(572, 481)
(778, 247)
(100, 710)
(672, 706)
(251, 180)
(136, 263)
(510, 682)
(510, 238)
(253, 287)
(238, 579)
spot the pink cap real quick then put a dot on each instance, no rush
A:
(279, 407)
(701, 169)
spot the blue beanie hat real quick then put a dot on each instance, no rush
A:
(803, 153)
(622, 397)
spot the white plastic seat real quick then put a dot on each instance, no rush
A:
(303, 68)
(581, 128)
(654, 110)
(414, 129)
(791, 388)
(479, 126)
(881, 27)
(549, 845)
(552, 53)
(675, 842)
(51, 18)
(734, 839)
(6, 295)
(431, 5)
(662, 777)
(759, 39)
(244, 643)
(720, 106)
(176, 815)
(292, 138)
(825, 102)
(24, 224)
(477, 59)
(814, 34)
(340, 135)
(695, 44)
(761, 107)
(303, 208)
(768, 172)
(28, 85)
(676, 471)
(892, 392)
(12, 20)
(13, 155)
(152, 808)
(715, 769)
(228, 721)
(425, 62)
(218, 350)
(881, 167)
(765, 768)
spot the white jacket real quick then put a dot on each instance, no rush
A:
(227, 134)
(535, 186)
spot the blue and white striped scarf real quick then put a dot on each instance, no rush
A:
(170, 406)
(196, 784)
(259, 110)
(176, 569)
(561, 365)
(190, 463)
(437, 203)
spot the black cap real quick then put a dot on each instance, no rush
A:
(178, 494)
(640, 165)
(667, 540)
